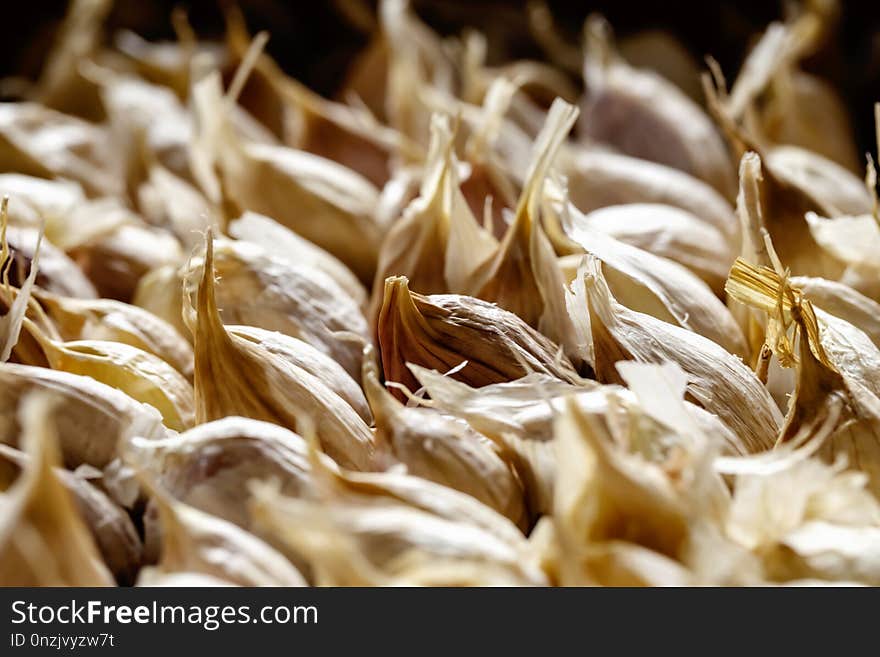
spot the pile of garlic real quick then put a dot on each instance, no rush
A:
(443, 333)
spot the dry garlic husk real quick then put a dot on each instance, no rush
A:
(148, 122)
(853, 240)
(437, 243)
(160, 292)
(523, 406)
(35, 200)
(497, 149)
(322, 201)
(141, 375)
(170, 202)
(490, 179)
(415, 59)
(824, 551)
(842, 301)
(757, 248)
(43, 540)
(603, 494)
(16, 303)
(110, 526)
(821, 522)
(283, 243)
(304, 120)
(37, 141)
(520, 416)
(57, 273)
(650, 284)
(443, 330)
(754, 248)
(717, 380)
(373, 535)
(786, 197)
(62, 85)
(641, 114)
(116, 262)
(667, 232)
(622, 564)
(444, 449)
(312, 360)
(195, 541)
(787, 105)
(94, 419)
(598, 179)
(832, 186)
(109, 320)
(834, 360)
(523, 276)
(236, 376)
(168, 63)
(527, 407)
(262, 290)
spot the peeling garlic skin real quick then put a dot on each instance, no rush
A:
(464, 324)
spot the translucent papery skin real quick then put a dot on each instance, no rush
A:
(605, 317)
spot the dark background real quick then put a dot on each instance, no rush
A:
(314, 42)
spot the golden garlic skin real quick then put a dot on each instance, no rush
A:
(464, 323)
(110, 526)
(97, 419)
(236, 376)
(43, 539)
(444, 449)
(264, 291)
(442, 331)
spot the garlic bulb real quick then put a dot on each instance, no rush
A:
(97, 419)
(320, 200)
(236, 376)
(444, 449)
(267, 292)
(622, 334)
(193, 541)
(643, 115)
(43, 540)
(109, 525)
(109, 320)
(443, 331)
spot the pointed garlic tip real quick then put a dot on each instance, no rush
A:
(749, 209)
(590, 271)
(750, 164)
(248, 63)
(207, 300)
(560, 120)
(598, 39)
(396, 293)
